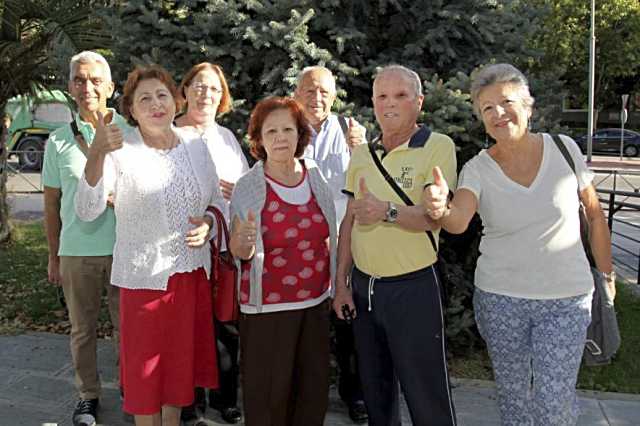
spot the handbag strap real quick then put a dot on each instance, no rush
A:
(565, 152)
(342, 120)
(584, 225)
(403, 196)
(223, 229)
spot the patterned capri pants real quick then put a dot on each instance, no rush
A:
(535, 347)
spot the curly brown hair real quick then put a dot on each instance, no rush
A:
(259, 115)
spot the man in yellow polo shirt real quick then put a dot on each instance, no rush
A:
(384, 245)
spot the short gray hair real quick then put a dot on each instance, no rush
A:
(88, 57)
(410, 75)
(497, 74)
(307, 70)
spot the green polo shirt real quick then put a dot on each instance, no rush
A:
(386, 249)
(63, 166)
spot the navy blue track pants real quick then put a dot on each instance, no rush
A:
(399, 337)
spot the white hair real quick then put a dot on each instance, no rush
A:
(315, 68)
(497, 74)
(88, 57)
(410, 75)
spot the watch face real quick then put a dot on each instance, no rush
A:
(392, 213)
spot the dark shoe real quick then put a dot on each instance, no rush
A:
(188, 413)
(231, 415)
(128, 418)
(200, 400)
(86, 412)
(358, 412)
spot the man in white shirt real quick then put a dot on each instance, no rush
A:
(332, 138)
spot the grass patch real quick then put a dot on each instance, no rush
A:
(27, 300)
(622, 375)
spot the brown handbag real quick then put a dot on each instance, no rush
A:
(224, 273)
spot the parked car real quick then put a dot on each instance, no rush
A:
(32, 118)
(608, 141)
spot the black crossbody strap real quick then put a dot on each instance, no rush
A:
(403, 196)
(343, 125)
(565, 152)
(584, 223)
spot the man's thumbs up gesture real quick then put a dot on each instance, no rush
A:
(367, 208)
(108, 137)
(355, 133)
(435, 196)
(243, 236)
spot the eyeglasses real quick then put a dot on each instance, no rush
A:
(202, 89)
(79, 81)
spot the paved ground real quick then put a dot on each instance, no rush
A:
(36, 389)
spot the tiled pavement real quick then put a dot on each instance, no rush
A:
(36, 389)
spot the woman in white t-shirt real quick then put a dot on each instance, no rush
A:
(205, 90)
(533, 281)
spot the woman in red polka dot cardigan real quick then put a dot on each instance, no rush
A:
(284, 231)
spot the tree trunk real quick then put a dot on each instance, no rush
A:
(5, 230)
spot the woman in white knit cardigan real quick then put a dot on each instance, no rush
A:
(162, 181)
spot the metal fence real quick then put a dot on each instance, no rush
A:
(621, 202)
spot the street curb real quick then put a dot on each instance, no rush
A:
(585, 393)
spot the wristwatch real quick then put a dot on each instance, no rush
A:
(609, 276)
(392, 213)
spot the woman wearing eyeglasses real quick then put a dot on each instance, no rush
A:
(206, 93)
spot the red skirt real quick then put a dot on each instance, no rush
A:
(167, 343)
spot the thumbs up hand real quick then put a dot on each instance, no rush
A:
(108, 137)
(243, 236)
(435, 196)
(367, 208)
(355, 134)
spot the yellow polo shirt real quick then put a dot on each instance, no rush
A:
(386, 249)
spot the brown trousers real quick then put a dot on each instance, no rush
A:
(285, 367)
(83, 280)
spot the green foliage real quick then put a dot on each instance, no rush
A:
(35, 36)
(564, 39)
(261, 45)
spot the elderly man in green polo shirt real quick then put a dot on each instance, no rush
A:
(392, 245)
(80, 252)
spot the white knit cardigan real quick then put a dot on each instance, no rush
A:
(141, 258)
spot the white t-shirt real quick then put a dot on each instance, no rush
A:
(531, 245)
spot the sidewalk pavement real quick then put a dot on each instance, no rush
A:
(608, 162)
(36, 389)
